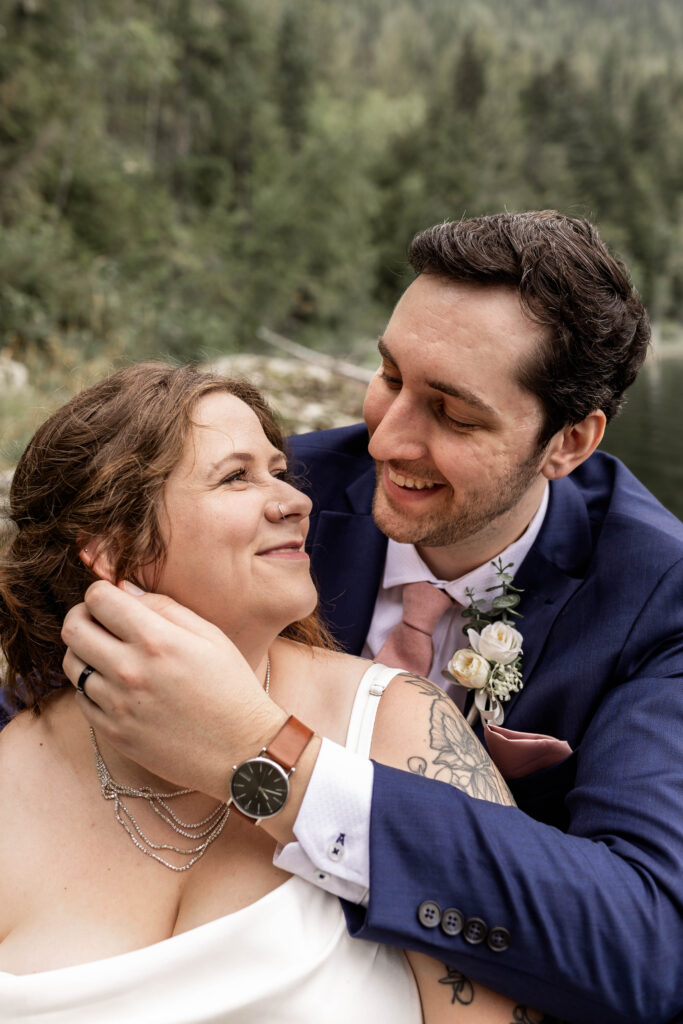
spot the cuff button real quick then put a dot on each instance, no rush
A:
(429, 914)
(474, 931)
(498, 939)
(452, 921)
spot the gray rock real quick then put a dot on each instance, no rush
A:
(305, 396)
(13, 376)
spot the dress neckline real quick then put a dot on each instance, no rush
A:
(187, 936)
(373, 674)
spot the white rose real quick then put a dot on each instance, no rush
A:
(469, 668)
(497, 642)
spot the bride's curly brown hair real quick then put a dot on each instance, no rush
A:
(98, 466)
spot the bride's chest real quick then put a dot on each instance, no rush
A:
(82, 890)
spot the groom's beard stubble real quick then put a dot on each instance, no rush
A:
(454, 518)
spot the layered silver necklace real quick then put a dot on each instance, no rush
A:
(207, 830)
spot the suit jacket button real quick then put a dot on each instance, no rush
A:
(452, 921)
(474, 931)
(429, 914)
(498, 939)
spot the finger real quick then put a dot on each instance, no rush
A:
(136, 618)
(96, 717)
(88, 643)
(73, 667)
(179, 615)
(84, 697)
(93, 686)
(83, 678)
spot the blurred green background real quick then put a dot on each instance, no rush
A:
(175, 174)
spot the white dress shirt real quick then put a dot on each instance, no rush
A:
(339, 795)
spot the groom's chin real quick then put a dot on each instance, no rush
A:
(394, 523)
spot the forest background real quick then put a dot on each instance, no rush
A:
(176, 174)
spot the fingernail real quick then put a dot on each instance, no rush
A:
(130, 588)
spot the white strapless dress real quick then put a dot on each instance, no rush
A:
(286, 959)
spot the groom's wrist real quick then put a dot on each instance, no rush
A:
(265, 719)
(281, 825)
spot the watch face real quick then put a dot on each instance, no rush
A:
(259, 787)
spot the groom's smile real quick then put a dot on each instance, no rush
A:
(453, 434)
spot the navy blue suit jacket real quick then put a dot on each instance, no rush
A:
(587, 873)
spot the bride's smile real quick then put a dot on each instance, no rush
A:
(233, 527)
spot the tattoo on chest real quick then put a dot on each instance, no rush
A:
(460, 758)
(462, 990)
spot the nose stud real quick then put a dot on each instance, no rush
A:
(281, 511)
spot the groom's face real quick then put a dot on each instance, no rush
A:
(453, 435)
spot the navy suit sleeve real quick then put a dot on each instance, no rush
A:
(595, 915)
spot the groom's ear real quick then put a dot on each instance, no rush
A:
(95, 553)
(572, 445)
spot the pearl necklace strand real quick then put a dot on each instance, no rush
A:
(208, 829)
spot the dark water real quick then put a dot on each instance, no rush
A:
(648, 435)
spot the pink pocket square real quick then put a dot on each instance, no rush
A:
(517, 754)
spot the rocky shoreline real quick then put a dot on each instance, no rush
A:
(305, 396)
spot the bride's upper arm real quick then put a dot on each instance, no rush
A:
(11, 814)
(22, 813)
(420, 730)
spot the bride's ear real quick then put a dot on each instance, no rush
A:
(96, 555)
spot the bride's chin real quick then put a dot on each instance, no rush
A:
(302, 610)
(254, 620)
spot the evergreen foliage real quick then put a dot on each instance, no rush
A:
(174, 173)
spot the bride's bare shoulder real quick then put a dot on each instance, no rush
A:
(27, 765)
(35, 750)
(317, 686)
(22, 735)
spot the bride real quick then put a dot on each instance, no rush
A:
(123, 897)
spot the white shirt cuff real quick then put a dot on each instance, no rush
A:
(333, 826)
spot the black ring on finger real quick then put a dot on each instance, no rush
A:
(80, 685)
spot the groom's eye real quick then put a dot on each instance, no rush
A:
(455, 423)
(392, 382)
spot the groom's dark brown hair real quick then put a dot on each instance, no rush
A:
(598, 330)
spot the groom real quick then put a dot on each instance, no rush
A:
(500, 366)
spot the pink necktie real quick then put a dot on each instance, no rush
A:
(409, 645)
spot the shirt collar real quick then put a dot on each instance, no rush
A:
(404, 565)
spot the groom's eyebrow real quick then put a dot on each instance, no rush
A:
(465, 395)
(383, 350)
(454, 390)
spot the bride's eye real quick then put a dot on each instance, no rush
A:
(239, 474)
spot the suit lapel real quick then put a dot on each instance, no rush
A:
(348, 552)
(552, 572)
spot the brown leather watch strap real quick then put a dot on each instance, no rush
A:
(289, 743)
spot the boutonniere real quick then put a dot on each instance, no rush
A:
(492, 664)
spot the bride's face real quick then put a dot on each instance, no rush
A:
(230, 556)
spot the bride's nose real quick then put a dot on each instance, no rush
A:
(290, 503)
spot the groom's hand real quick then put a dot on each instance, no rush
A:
(172, 692)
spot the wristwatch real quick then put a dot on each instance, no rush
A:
(259, 787)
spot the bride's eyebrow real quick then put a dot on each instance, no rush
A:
(244, 457)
